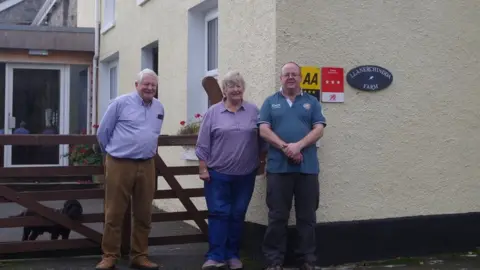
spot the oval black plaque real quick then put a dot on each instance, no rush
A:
(369, 78)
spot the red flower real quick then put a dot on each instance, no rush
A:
(182, 123)
(95, 126)
(198, 115)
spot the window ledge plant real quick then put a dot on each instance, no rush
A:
(190, 128)
(86, 155)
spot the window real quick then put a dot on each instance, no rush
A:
(108, 15)
(211, 45)
(202, 53)
(79, 99)
(113, 80)
(150, 58)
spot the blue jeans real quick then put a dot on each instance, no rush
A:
(228, 197)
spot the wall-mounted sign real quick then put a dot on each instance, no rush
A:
(332, 84)
(311, 81)
(315, 93)
(369, 78)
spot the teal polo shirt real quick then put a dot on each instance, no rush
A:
(292, 122)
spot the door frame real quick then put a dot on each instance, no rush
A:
(64, 112)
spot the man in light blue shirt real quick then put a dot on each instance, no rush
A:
(128, 134)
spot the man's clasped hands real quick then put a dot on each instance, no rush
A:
(293, 151)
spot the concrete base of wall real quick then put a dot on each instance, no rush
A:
(369, 240)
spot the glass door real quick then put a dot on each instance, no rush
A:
(35, 103)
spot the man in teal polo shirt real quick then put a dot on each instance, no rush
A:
(291, 122)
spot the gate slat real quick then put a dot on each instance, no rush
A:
(29, 246)
(14, 222)
(71, 171)
(161, 166)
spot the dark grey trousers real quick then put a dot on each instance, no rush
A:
(281, 189)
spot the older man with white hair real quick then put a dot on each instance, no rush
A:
(128, 134)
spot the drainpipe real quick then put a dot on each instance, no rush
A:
(95, 64)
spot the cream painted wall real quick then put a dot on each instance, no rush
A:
(412, 149)
(85, 13)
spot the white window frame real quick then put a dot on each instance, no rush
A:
(213, 14)
(108, 20)
(141, 2)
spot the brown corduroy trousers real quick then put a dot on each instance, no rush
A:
(125, 178)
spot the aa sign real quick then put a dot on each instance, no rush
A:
(311, 80)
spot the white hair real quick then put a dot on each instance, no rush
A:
(233, 77)
(145, 72)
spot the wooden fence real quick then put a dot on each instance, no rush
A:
(29, 195)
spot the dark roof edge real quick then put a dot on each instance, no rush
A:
(47, 28)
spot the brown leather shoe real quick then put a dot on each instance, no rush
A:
(143, 263)
(106, 264)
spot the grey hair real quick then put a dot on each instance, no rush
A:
(233, 77)
(145, 72)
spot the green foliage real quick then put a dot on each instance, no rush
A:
(84, 154)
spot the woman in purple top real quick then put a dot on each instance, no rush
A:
(228, 149)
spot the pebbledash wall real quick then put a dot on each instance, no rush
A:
(399, 167)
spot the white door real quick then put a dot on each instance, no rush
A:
(36, 102)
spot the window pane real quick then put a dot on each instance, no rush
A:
(212, 41)
(36, 106)
(109, 11)
(113, 82)
(78, 98)
(2, 105)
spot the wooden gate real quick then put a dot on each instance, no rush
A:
(22, 186)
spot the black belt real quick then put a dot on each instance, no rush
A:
(133, 159)
(139, 159)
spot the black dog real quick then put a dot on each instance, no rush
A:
(71, 208)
